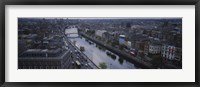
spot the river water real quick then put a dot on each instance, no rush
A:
(98, 54)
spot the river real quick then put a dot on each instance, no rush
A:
(99, 54)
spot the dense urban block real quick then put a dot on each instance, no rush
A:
(99, 43)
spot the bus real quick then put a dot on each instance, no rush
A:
(78, 64)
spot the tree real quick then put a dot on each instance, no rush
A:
(121, 60)
(114, 43)
(82, 48)
(141, 54)
(108, 41)
(103, 65)
(122, 46)
(156, 60)
(127, 38)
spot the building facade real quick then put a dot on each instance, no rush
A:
(44, 59)
(154, 48)
(100, 33)
(168, 52)
(121, 39)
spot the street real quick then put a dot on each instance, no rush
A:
(78, 57)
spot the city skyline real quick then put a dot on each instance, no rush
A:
(101, 43)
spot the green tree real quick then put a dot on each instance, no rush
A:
(122, 46)
(114, 43)
(126, 38)
(121, 60)
(82, 48)
(108, 41)
(141, 54)
(156, 60)
(103, 65)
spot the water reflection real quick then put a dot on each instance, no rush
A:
(99, 54)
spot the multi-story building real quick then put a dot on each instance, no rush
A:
(178, 54)
(146, 49)
(100, 32)
(140, 45)
(121, 39)
(107, 36)
(44, 59)
(128, 44)
(154, 48)
(168, 52)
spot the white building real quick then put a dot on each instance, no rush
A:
(154, 48)
(128, 44)
(121, 39)
(71, 32)
(178, 54)
(100, 32)
(168, 52)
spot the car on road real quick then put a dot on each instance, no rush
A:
(75, 51)
(86, 65)
(77, 58)
(72, 62)
(78, 64)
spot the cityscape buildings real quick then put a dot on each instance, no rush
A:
(107, 43)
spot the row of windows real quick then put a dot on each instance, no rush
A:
(154, 48)
(40, 55)
(168, 48)
(168, 56)
(30, 63)
(167, 52)
(154, 51)
(39, 67)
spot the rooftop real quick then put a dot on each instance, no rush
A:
(61, 56)
(121, 35)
